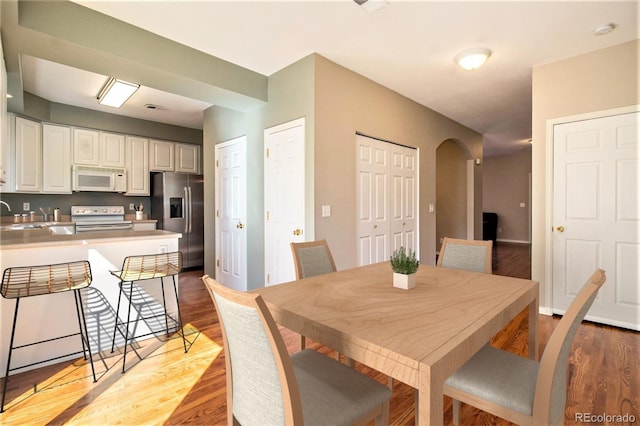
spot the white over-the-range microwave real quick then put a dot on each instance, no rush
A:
(88, 178)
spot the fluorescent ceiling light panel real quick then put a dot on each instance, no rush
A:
(116, 92)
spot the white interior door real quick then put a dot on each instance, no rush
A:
(596, 214)
(231, 213)
(387, 188)
(284, 198)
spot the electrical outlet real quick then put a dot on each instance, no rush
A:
(132, 206)
(26, 206)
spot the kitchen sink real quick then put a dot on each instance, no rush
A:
(20, 226)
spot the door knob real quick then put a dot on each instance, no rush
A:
(240, 225)
(560, 229)
(297, 232)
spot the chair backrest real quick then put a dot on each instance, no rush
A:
(551, 388)
(261, 384)
(470, 255)
(312, 258)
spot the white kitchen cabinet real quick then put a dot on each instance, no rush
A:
(8, 156)
(6, 152)
(187, 158)
(96, 148)
(161, 156)
(112, 150)
(137, 165)
(28, 145)
(56, 159)
(86, 147)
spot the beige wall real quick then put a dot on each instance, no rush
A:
(451, 192)
(506, 185)
(600, 80)
(346, 103)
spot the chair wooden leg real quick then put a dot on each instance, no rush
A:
(303, 342)
(456, 412)
(383, 418)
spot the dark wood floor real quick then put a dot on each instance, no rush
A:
(173, 388)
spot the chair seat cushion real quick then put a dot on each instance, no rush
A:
(498, 376)
(333, 393)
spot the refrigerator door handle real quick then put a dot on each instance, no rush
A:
(189, 210)
(186, 209)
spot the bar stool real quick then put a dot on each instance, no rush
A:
(29, 281)
(146, 267)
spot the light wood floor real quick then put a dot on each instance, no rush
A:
(171, 387)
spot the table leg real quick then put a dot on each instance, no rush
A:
(430, 399)
(533, 329)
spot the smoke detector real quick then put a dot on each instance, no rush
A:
(371, 5)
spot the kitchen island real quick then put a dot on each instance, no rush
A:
(49, 316)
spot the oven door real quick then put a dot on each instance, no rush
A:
(102, 227)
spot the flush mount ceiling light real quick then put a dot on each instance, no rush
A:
(371, 5)
(604, 29)
(116, 92)
(473, 58)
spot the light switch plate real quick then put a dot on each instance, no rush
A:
(326, 211)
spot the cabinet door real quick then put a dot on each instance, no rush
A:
(28, 156)
(86, 147)
(112, 150)
(160, 156)
(8, 154)
(56, 159)
(187, 158)
(137, 165)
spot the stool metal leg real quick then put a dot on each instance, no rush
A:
(164, 305)
(6, 376)
(84, 336)
(126, 332)
(175, 289)
(115, 328)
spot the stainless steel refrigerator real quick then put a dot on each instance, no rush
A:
(177, 205)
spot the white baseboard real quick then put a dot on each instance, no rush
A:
(545, 310)
(513, 241)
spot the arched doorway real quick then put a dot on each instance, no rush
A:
(454, 191)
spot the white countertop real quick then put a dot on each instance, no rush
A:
(30, 238)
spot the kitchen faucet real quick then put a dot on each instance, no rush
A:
(8, 206)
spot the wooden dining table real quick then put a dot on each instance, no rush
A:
(418, 336)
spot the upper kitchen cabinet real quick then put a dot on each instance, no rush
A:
(167, 156)
(137, 165)
(161, 156)
(112, 150)
(187, 158)
(56, 159)
(28, 151)
(95, 148)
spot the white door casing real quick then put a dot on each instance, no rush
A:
(596, 215)
(386, 194)
(284, 179)
(231, 213)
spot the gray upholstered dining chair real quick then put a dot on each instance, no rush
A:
(312, 258)
(470, 255)
(519, 389)
(266, 386)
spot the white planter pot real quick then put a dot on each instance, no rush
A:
(404, 281)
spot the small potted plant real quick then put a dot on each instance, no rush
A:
(404, 266)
